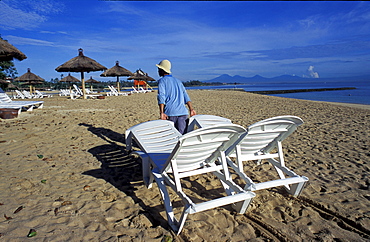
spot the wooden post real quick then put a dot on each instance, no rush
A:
(83, 85)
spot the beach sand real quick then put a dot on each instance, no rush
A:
(65, 170)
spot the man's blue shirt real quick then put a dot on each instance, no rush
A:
(172, 93)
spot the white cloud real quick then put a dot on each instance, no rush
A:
(12, 18)
(27, 41)
(311, 73)
(26, 14)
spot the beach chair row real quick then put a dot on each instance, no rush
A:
(212, 145)
(114, 92)
(27, 95)
(76, 92)
(8, 103)
(140, 90)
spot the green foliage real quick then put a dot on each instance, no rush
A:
(7, 69)
(199, 83)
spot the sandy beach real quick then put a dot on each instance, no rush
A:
(65, 173)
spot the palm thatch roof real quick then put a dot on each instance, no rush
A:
(80, 63)
(69, 78)
(140, 75)
(117, 70)
(8, 52)
(30, 78)
(91, 80)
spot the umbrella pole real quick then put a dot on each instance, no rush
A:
(83, 85)
(118, 84)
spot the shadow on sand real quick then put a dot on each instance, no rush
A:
(122, 170)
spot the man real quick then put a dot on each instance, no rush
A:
(172, 97)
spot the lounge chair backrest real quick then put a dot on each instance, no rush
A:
(204, 120)
(195, 149)
(146, 135)
(4, 98)
(264, 136)
(27, 94)
(78, 90)
(19, 95)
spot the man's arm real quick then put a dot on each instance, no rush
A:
(161, 112)
(190, 106)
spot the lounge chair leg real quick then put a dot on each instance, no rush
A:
(241, 207)
(296, 189)
(182, 220)
(147, 174)
(174, 224)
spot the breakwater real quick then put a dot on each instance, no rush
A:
(302, 90)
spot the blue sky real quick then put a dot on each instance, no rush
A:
(202, 39)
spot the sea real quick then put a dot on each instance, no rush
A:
(360, 95)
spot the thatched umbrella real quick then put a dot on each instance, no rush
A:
(91, 80)
(8, 52)
(69, 79)
(81, 64)
(117, 71)
(140, 75)
(29, 79)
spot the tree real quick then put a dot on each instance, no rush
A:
(7, 69)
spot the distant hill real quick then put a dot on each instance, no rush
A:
(225, 78)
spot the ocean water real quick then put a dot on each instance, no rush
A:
(360, 95)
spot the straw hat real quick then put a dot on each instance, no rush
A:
(165, 65)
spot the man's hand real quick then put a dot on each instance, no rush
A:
(192, 113)
(164, 116)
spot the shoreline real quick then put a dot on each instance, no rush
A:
(355, 105)
(302, 90)
(351, 105)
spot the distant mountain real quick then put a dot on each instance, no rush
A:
(225, 78)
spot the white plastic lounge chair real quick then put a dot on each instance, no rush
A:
(27, 94)
(63, 92)
(19, 95)
(28, 105)
(39, 94)
(145, 90)
(134, 90)
(167, 157)
(68, 93)
(79, 93)
(263, 140)
(88, 91)
(202, 121)
(115, 92)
